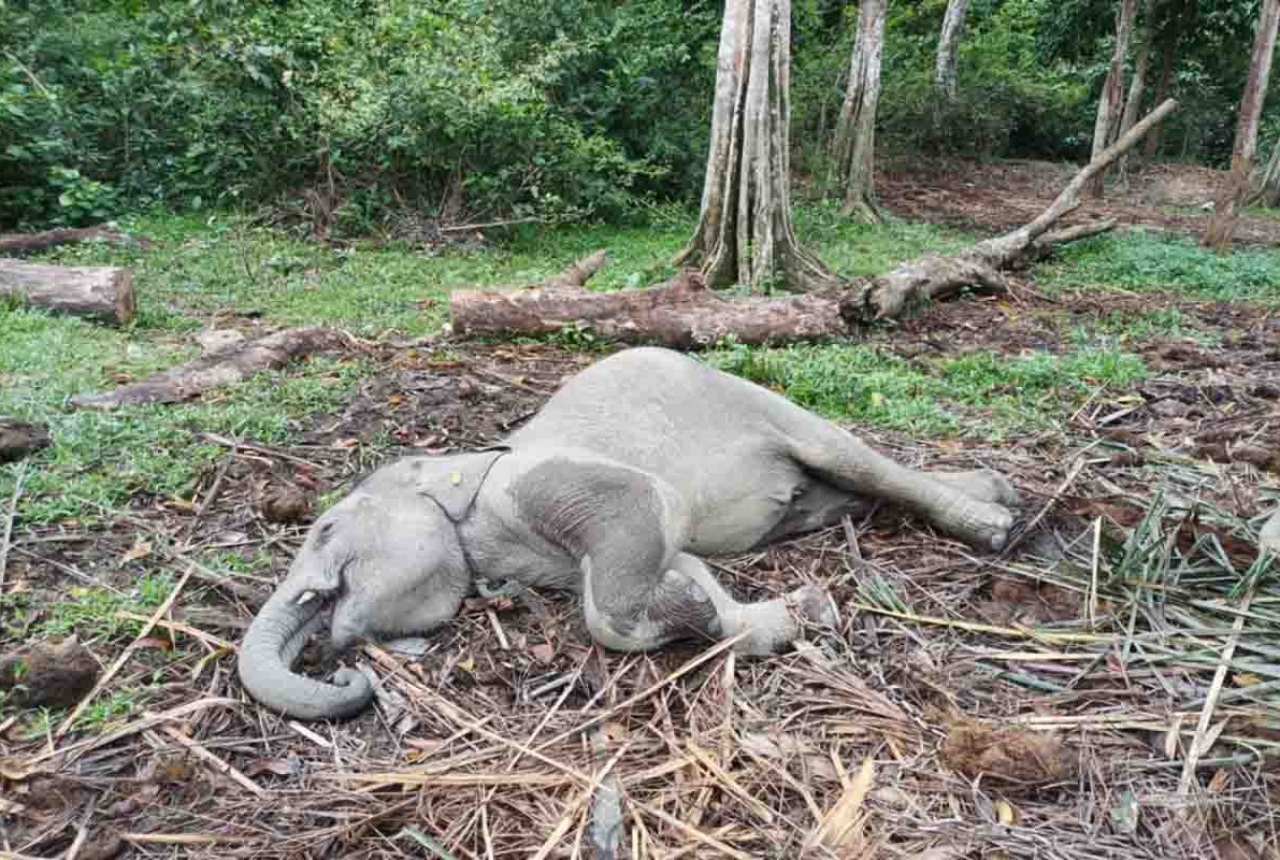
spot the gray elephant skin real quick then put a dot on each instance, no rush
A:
(640, 464)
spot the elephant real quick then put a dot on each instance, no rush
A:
(640, 465)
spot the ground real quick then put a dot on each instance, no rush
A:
(1042, 702)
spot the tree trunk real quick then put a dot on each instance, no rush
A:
(1137, 87)
(227, 366)
(744, 233)
(1110, 101)
(1268, 193)
(683, 314)
(1232, 195)
(24, 243)
(855, 146)
(102, 293)
(946, 74)
(1168, 47)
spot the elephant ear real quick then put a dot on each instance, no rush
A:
(453, 482)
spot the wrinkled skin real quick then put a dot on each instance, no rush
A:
(637, 466)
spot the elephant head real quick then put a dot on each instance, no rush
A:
(383, 558)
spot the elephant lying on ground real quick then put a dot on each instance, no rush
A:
(639, 464)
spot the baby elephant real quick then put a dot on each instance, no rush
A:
(638, 465)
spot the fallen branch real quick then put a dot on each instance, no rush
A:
(25, 243)
(684, 314)
(227, 366)
(102, 293)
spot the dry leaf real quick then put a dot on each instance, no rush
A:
(1006, 813)
(141, 549)
(841, 827)
(544, 653)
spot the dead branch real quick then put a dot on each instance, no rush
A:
(25, 243)
(223, 367)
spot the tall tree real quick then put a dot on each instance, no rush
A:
(945, 73)
(855, 144)
(1133, 102)
(1111, 100)
(744, 233)
(1169, 26)
(1223, 222)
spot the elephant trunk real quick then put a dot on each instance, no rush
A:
(274, 640)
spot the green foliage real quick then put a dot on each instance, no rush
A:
(1142, 261)
(868, 384)
(535, 108)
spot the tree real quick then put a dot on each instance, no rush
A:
(945, 74)
(744, 233)
(1268, 193)
(855, 143)
(1223, 222)
(1167, 29)
(1133, 102)
(1111, 100)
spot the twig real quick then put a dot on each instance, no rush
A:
(194, 632)
(212, 760)
(160, 612)
(8, 522)
(212, 495)
(1215, 688)
(1053, 500)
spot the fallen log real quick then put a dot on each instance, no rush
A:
(18, 439)
(684, 314)
(25, 243)
(232, 364)
(681, 313)
(102, 293)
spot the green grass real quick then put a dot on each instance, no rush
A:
(1125, 327)
(1143, 262)
(869, 385)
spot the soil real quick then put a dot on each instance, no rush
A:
(995, 197)
(226, 778)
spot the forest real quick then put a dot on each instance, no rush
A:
(256, 253)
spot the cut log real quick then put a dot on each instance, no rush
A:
(684, 314)
(25, 243)
(102, 293)
(18, 439)
(228, 366)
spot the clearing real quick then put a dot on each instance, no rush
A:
(1106, 688)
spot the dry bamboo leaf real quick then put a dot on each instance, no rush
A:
(1006, 813)
(841, 827)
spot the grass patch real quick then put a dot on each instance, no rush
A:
(1127, 326)
(867, 384)
(101, 459)
(1145, 262)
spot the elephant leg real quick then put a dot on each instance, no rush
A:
(848, 463)
(686, 601)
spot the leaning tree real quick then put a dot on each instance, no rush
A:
(744, 233)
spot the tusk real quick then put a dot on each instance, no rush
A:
(306, 597)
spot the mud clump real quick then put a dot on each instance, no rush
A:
(50, 676)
